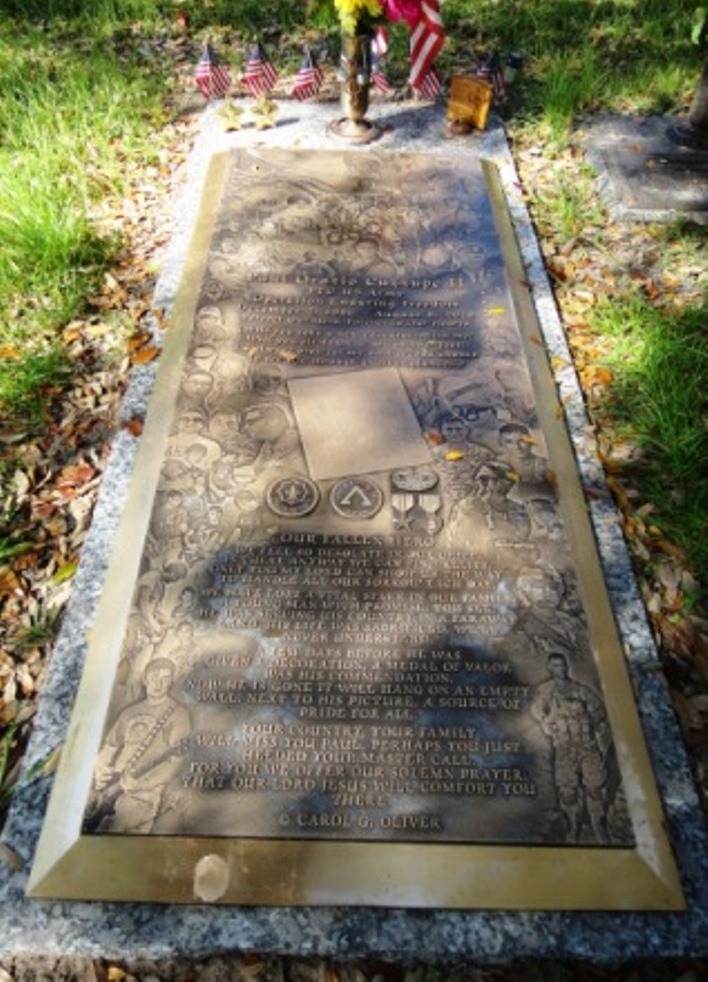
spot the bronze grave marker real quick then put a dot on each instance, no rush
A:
(358, 636)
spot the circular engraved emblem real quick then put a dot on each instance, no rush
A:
(292, 497)
(356, 497)
(414, 479)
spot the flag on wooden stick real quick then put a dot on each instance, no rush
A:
(427, 38)
(212, 78)
(260, 75)
(309, 79)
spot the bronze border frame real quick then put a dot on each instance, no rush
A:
(353, 873)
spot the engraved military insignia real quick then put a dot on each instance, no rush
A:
(356, 497)
(292, 497)
(415, 503)
(414, 479)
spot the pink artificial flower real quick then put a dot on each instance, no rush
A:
(408, 10)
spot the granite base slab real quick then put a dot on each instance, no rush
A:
(31, 930)
(644, 176)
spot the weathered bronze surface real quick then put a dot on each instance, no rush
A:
(367, 611)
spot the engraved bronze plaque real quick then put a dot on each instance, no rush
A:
(360, 645)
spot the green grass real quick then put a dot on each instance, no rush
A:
(585, 54)
(660, 399)
(77, 104)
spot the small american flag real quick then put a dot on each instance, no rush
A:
(491, 72)
(259, 76)
(377, 75)
(427, 38)
(308, 80)
(212, 78)
(430, 86)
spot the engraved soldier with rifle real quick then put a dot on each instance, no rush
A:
(140, 754)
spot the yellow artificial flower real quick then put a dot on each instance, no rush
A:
(350, 12)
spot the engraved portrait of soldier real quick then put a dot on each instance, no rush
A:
(573, 718)
(313, 267)
(507, 520)
(547, 619)
(231, 472)
(194, 488)
(481, 419)
(189, 435)
(201, 358)
(517, 451)
(278, 441)
(206, 537)
(139, 757)
(232, 375)
(485, 518)
(225, 430)
(178, 643)
(457, 458)
(546, 524)
(466, 527)
(210, 326)
(268, 379)
(195, 389)
(187, 605)
(455, 429)
(227, 268)
(468, 395)
(167, 524)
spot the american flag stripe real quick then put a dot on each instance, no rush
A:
(381, 82)
(493, 76)
(211, 77)
(379, 43)
(430, 86)
(260, 75)
(308, 80)
(378, 77)
(427, 38)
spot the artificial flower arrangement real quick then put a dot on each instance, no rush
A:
(364, 16)
(368, 17)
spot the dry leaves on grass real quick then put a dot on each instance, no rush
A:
(591, 259)
(50, 474)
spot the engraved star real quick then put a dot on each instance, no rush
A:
(231, 116)
(264, 113)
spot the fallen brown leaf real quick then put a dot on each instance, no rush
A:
(134, 426)
(137, 341)
(144, 355)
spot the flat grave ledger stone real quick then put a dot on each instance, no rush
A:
(643, 174)
(355, 645)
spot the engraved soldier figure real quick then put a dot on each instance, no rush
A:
(516, 445)
(268, 424)
(139, 756)
(572, 716)
(546, 616)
